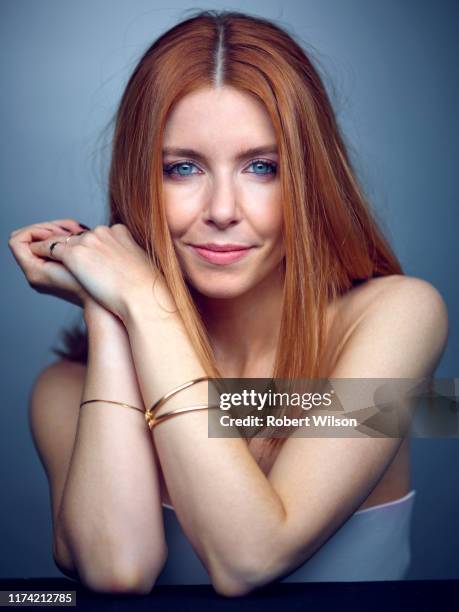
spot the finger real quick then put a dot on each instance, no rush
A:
(45, 248)
(69, 225)
(33, 266)
(20, 245)
(73, 225)
(53, 248)
(49, 226)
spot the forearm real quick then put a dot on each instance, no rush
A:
(225, 504)
(111, 513)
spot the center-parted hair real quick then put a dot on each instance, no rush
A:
(332, 240)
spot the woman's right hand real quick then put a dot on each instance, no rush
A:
(43, 274)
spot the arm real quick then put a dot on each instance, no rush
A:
(106, 513)
(207, 478)
(111, 515)
(246, 540)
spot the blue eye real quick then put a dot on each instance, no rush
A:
(259, 163)
(169, 170)
(184, 169)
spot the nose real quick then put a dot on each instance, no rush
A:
(222, 206)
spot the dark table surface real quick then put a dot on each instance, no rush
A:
(418, 595)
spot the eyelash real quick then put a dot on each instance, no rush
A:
(168, 170)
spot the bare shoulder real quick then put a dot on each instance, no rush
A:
(62, 368)
(360, 300)
(54, 406)
(65, 367)
(400, 312)
(414, 301)
(59, 380)
(407, 288)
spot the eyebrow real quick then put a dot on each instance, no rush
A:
(254, 151)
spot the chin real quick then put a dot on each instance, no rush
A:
(224, 290)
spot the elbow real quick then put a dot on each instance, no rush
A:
(242, 578)
(112, 568)
(120, 579)
(230, 585)
(230, 588)
(122, 576)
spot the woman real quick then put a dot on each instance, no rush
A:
(225, 140)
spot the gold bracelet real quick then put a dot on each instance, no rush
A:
(154, 420)
(112, 402)
(149, 414)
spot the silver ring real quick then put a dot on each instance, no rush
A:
(52, 247)
(66, 240)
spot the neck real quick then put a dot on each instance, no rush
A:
(244, 331)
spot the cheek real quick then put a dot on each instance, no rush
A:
(181, 208)
(264, 211)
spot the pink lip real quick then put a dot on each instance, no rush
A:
(221, 257)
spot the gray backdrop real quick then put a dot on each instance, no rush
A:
(393, 79)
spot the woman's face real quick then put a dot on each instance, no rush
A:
(217, 191)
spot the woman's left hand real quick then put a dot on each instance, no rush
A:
(108, 263)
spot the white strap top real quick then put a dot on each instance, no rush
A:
(373, 544)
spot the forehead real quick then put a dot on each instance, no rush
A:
(210, 118)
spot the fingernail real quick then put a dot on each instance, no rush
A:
(84, 226)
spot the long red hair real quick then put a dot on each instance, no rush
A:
(332, 240)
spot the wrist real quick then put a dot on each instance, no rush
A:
(154, 304)
(98, 317)
(108, 342)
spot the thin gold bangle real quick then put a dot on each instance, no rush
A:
(112, 402)
(152, 411)
(153, 421)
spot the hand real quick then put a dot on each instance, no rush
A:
(44, 274)
(111, 267)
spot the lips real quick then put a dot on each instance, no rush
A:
(221, 257)
(213, 246)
